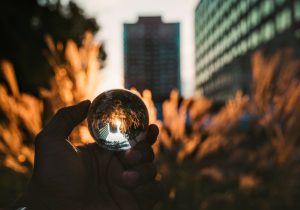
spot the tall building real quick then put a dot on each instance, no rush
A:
(152, 56)
(228, 32)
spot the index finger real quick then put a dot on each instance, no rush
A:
(152, 134)
(63, 122)
(142, 152)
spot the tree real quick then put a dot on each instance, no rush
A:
(23, 26)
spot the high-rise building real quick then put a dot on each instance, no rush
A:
(152, 56)
(228, 32)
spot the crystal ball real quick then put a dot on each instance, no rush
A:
(118, 119)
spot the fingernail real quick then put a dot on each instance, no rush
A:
(133, 156)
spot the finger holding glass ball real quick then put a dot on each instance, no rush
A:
(118, 119)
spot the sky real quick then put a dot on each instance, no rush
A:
(112, 14)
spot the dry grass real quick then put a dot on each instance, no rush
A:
(76, 77)
(20, 122)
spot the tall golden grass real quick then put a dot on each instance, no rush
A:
(76, 77)
(20, 122)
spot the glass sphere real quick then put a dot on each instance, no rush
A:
(118, 119)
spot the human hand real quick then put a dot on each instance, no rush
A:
(89, 177)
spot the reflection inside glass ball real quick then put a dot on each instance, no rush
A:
(118, 119)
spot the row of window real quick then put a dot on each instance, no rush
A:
(283, 21)
(221, 81)
(208, 63)
(210, 21)
(207, 37)
(252, 20)
(218, 44)
(212, 12)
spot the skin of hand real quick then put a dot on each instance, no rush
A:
(88, 177)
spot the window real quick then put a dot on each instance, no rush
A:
(243, 6)
(235, 15)
(244, 46)
(236, 34)
(297, 10)
(249, 42)
(267, 7)
(283, 20)
(255, 17)
(239, 31)
(254, 39)
(244, 28)
(268, 31)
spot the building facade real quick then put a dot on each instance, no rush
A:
(152, 56)
(228, 32)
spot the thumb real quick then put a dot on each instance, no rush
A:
(63, 122)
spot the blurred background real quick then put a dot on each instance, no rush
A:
(219, 78)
